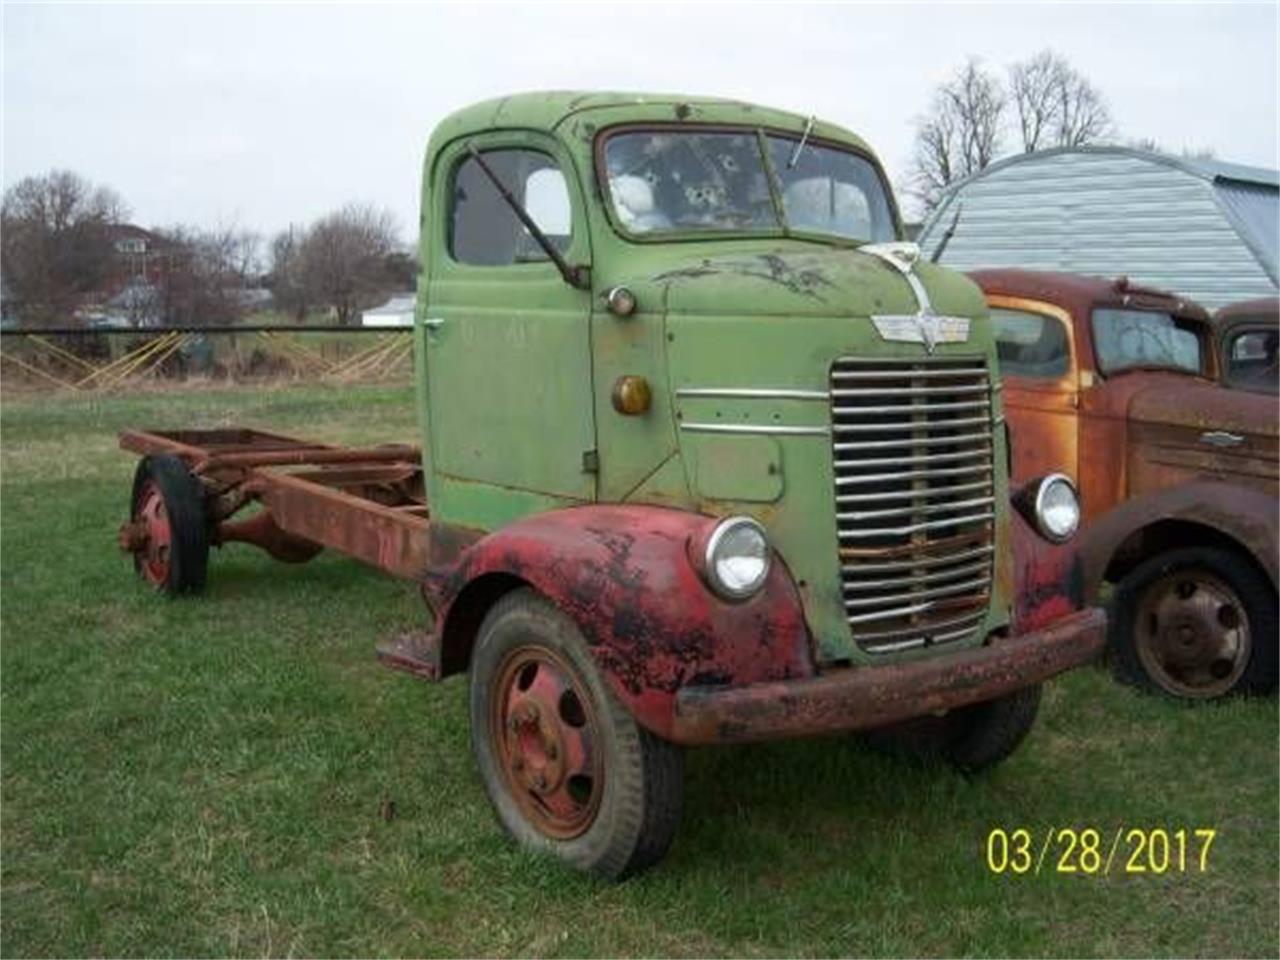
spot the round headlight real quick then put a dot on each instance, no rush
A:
(737, 558)
(1057, 508)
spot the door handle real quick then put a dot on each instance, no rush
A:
(1220, 438)
(433, 323)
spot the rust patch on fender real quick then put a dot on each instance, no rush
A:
(624, 574)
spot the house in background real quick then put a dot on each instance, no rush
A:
(139, 257)
(1201, 228)
(396, 312)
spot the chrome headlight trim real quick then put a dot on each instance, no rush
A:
(710, 558)
(1039, 506)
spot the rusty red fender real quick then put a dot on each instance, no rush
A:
(626, 575)
(1249, 517)
(1048, 577)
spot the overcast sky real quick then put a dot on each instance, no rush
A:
(259, 116)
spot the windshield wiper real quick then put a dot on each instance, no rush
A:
(946, 237)
(579, 277)
(804, 138)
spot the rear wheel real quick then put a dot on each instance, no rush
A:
(1197, 624)
(167, 533)
(565, 765)
(972, 738)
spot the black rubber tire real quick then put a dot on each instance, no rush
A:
(972, 739)
(640, 807)
(183, 497)
(1257, 597)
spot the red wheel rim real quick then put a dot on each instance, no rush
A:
(154, 555)
(1192, 634)
(544, 732)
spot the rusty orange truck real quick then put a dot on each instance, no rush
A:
(1117, 385)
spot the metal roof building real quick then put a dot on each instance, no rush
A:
(1204, 229)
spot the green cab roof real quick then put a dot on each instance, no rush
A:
(546, 110)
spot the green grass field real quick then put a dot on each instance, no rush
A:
(205, 776)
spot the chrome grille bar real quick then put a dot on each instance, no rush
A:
(922, 562)
(912, 408)
(905, 391)
(914, 527)
(897, 582)
(943, 591)
(907, 442)
(929, 493)
(967, 619)
(915, 475)
(908, 426)
(907, 461)
(873, 644)
(915, 511)
(844, 375)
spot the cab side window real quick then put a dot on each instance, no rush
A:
(1251, 361)
(484, 230)
(1030, 344)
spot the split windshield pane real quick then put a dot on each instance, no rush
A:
(1143, 338)
(689, 181)
(831, 191)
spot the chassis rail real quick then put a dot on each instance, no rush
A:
(366, 502)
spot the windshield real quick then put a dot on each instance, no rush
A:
(1143, 338)
(697, 180)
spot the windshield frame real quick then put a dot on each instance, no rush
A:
(761, 132)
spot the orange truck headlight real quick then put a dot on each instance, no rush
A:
(1052, 505)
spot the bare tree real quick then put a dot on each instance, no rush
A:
(1032, 84)
(286, 280)
(960, 135)
(205, 274)
(1056, 105)
(55, 242)
(345, 257)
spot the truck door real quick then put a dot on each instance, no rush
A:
(510, 426)
(1041, 388)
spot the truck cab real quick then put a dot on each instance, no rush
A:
(1119, 385)
(748, 328)
(708, 455)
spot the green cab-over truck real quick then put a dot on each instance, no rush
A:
(708, 455)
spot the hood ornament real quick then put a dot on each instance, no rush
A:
(900, 254)
(923, 327)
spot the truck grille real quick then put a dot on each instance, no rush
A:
(915, 498)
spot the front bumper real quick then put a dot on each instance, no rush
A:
(859, 698)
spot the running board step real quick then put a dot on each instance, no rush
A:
(411, 651)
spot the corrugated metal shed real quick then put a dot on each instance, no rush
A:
(1207, 230)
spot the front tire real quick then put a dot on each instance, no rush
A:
(1197, 624)
(566, 767)
(972, 739)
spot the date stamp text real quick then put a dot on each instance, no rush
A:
(1094, 852)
